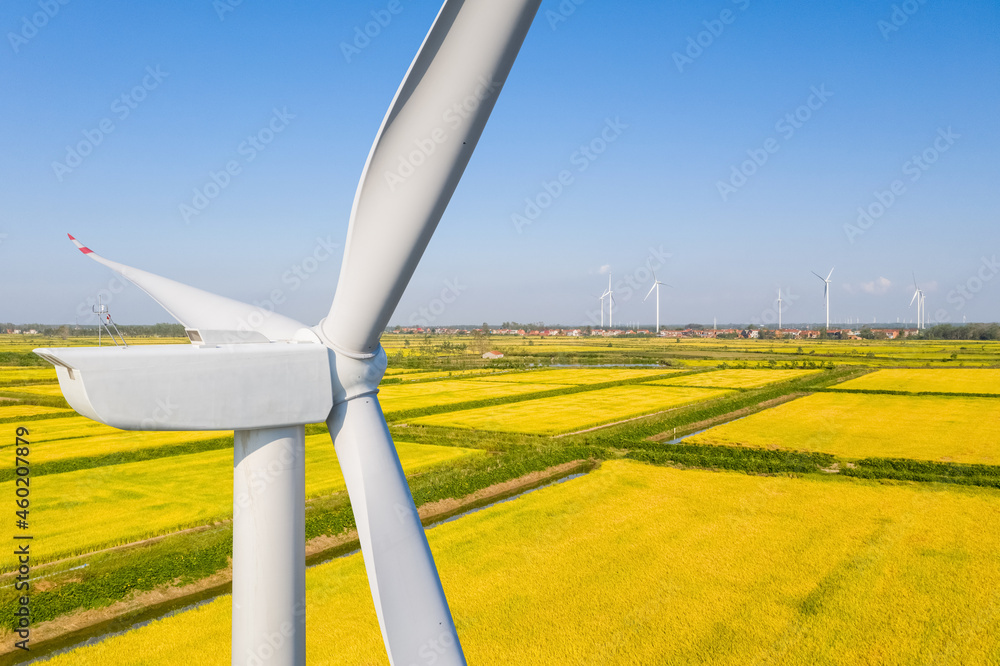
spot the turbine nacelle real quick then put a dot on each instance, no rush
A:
(211, 387)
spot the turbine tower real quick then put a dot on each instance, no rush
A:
(826, 294)
(265, 375)
(656, 286)
(779, 309)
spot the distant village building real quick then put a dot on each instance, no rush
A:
(492, 355)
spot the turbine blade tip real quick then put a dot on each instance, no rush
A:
(80, 246)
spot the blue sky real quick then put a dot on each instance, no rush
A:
(731, 145)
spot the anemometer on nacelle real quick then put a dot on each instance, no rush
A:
(106, 323)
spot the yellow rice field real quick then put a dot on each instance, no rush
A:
(84, 510)
(47, 390)
(414, 375)
(23, 375)
(634, 564)
(12, 410)
(399, 397)
(950, 380)
(578, 376)
(574, 411)
(78, 437)
(735, 378)
(69, 427)
(853, 425)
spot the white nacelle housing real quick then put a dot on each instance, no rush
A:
(182, 387)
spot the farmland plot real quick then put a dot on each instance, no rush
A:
(939, 380)
(578, 376)
(854, 425)
(634, 564)
(396, 397)
(574, 411)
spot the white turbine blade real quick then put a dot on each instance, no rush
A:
(650, 291)
(915, 294)
(421, 151)
(818, 275)
(198, 309)
(828, 276)
(409, 600)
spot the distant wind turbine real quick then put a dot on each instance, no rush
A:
(826, 293)
(779, 309)
(918, 296)
(611, 304)
(656, 286)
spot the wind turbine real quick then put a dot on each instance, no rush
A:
(826, 294)
(779, 309)
(918, 296)
(656, 286)
(611, 304)
(265, 375)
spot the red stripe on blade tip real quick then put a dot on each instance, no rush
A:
(83, 248)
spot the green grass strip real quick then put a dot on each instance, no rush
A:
(947, 394)
(112, 576)
(751, 461)
(29, 359)
(925, 471)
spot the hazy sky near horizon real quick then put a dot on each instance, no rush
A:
(734, 146)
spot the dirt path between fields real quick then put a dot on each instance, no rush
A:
(634, 418)
(111, 549)
(730, 416)
(116, 615)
